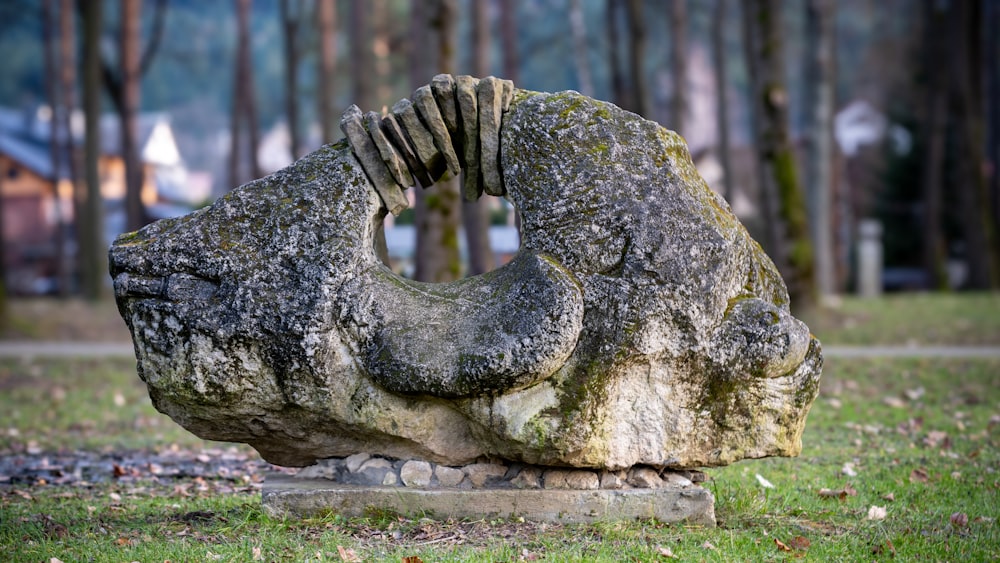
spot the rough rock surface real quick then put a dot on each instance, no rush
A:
(639, 325)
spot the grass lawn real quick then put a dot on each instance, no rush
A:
(901, 460)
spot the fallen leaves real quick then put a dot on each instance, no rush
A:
(959, 520)
(665, 552)
(348, 554)
(764, 482)
(919, 475)
(877, 513)
(840, 494)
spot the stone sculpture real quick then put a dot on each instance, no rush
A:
(639, 324)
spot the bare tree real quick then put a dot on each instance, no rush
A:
(776, 160)
(135, 211)
(93, 258)
(678, 62)
(292, 12)
(56, 146)
(721, 103)
(936, 124)
(508, 40)
(820, 72)
(380, 52)
(326, 22)
(636, 57)
(363, 92)
(619, 92)
(244, 105)
(976, 220)
(992, 72)
(68, 91)
(579, 32)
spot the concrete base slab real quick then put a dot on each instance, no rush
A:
(287, 495)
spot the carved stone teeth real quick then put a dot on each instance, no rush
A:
(424, 101)
(468, 118)
(453, 124)
(364, 149)
(422, 140)
(508, 93)
(390, 156)
(443, 87)
(395, 134)
(490, 98)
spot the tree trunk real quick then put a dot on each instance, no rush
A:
(475, 214)
(291, 16)
(135, 211)
(936, 124)
(775, 156)
(992, 70)
(977, 224)
(579, 32)
(438, 210)
(68, 88)
(636, 58)
(244, 106)
(93, 255)
(678, 63)
(326, 22)
(721, 101)
(820, 75)
(508, 40)
(56, 144)
(619, 93)
(380, 51)
(361, 55)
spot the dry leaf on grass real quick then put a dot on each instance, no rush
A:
(799, 542)
(959, 520)
(665, 552)
(764, 482)
(708, 545)
(877, 513)
(781, 545)
(412, 559)
(347, 554)
(919, 475)
(841, 494)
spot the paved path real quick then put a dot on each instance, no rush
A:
(125, 350)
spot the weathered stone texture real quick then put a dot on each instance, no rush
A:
(638, 325)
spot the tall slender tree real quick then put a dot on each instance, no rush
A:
(243, 145)
(68, 92)
(135, 211)
(977, 221)
(619, 91)
(578, 30)
(326, 22)
(935, 133)
(776, 160)
(93, 258)
(636, 58)
(821, 82)
(292, 12)
(678, 63)
(721, 101)
(50, 27)
(508, 40)
(475, 214)
(363, 92)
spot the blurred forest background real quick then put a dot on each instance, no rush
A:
(824, 123)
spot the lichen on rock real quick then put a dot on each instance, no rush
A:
(639, 323)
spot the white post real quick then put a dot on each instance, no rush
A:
(869, 280)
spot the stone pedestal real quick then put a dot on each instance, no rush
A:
(288, 495)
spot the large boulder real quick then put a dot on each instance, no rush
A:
(638, 324)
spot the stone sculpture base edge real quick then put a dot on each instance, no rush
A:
(284, 495)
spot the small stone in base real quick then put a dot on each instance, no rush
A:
(448, 476)
(645, 478)
(480, 474)
(353, 462)
(415, 473)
